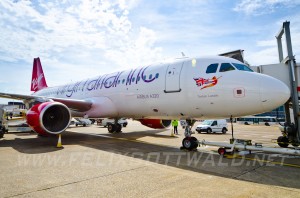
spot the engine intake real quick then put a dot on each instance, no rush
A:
(49, 118)
(155, 123)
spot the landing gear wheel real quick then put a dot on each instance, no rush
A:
(190, 143)
(118, 128)
(295, 144)
(224, 130)
(209, 130)
(2, 131)
(283, 141)
(111, 128)
(222, 151)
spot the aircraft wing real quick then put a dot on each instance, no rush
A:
(17, 96)
(75, 105)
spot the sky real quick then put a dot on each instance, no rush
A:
(78, 39)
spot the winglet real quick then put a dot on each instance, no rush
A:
(38, 80)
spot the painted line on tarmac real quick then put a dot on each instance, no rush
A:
(259, 160)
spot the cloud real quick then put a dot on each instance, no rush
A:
(139, 51)
(47, 29)
(260, 7)
(74, 39)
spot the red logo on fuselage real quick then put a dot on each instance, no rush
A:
(205, 83)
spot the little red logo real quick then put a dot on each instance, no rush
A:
(205, 83)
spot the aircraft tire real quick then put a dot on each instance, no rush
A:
(190, 143)
(195, 142)
(283, 141)
(2, 131)
(295, 144)
(111, 128)
(118, 128)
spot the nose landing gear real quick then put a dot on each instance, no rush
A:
(189, 142)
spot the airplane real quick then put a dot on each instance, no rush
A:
(186, 88)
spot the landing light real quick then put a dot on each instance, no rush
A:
(194, 62)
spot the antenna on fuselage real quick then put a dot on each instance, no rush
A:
(182, 54)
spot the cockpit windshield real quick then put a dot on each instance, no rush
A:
(242, 67)
(225, 67)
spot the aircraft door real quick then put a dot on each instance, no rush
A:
(173, 78)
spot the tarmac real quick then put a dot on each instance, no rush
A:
(143, 162)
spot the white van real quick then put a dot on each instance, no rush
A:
(210, 126)
(80, 121)
(104, 122)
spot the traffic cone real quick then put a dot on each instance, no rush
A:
(172, 133)
(59, 145)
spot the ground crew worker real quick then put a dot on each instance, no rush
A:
(175, 125)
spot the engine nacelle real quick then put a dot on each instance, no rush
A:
(49, 118)
(156, 123)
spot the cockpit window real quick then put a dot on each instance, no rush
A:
(212, 68)
(242, 67)
(226, 67)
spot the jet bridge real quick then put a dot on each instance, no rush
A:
(288, 71)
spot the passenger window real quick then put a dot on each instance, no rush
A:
(242, 67)
(212, 68)
(226, 67)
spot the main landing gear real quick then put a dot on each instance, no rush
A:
(114, 127)
(189, 142)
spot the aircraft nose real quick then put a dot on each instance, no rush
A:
(274, 93)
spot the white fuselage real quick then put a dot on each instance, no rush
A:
(180, 89)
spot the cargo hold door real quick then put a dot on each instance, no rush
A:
(173, 77)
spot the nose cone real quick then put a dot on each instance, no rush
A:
(274, 93)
